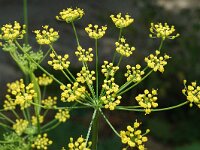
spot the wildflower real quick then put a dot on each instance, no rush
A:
(134, 74)
(192, 92)
(155, 62)
(35, 120)
(123, 48)
(72, 92)
(11, 32)
(41, 142)
(85, 76)
(44, 80)
(108, 69)
(133, 136)
(46, 36)
(84, 55)
(147, 100)
(162, 31)
(62, 115)
(110, 99)
(20, 126)
(95, 32)
(122, 22)
(79, 144)
(59, 62)
(49, 102)
(70, 15)
(19, 95)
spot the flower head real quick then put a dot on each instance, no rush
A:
(41, 142)
(123, 48)
(162, 31)
(49, 102)
(35, 121)
(84, 55)
(79, 144)
(62, 115)
(44, 80)
(155, 62)
(95, 32)
(58, 62)
(85, 76)
(122, 22)
(133, 136)
(147, 100)
(46, 36)
(11, 32)
(134, 74)
(20, 126)
(192, 92)
(69, 15)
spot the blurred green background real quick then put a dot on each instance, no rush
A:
(177, 129)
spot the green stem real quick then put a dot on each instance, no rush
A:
(5, 126)
(120, 33)
(161, 44)
(109, 123)
(25, 13)
(120, 59)
(73, 26)
(97, 73)
(95, 131)
(153, 110)
(52, 127)
(90, 126)
(6, 118)
(46, 54)
(49, 123)
(16, 115)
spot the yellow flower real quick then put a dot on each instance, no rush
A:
(11, 32)
(147, 100)
(122, 22)
(46, 36)
(58, 62)
(69, 15)
(84, 55)
(85, 76)
(134, 74)
(72, 92)
(35, 120)
(62, 115)
(41, 142)
(79, 144)
(49, 102)
(162, 31)
(155, 62)
(95, 32)
(192, 92)
(133, 136)
(108, 69)
(123, 48)
(44, 80)
(20, 126)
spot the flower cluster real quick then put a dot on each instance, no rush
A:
(20, 126)
(133, 136)
(122, 22)
(155, 62)
(44, 80)
(72, 92)
(192, 92)
(108, 69)
(11, 32)
(47, 36)
(79, 144)
(49, 102)
(35, 121)
(134, 74)
(41, 142)
(84, 55)
(123, 48)
(62, 115)
(85, 76)
(162, 31)
(19, 95)
(95, 32)
(59, 62)
(147, 100)
(69, 15)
